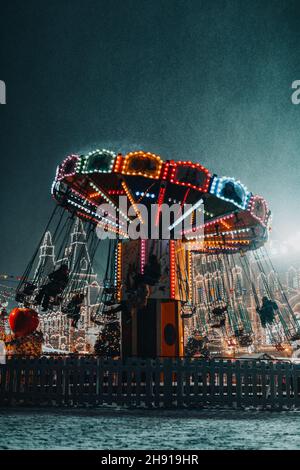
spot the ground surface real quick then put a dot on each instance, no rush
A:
(115, 429)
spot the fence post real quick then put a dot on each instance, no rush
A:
(138, 366)
(158, 377)
(296, 384)
(187, 380)
(238, 384)
(212, 378)
(99, 380)
(129, 382)
(10, 380)
(289, 386)
(149, 383)
(279, 400)
(272, 392)
(204, 370)
(110, 380)
(120, 369)
(220, 371)
(254, 381)
(3, 378)
(179, 382)
(167, 374)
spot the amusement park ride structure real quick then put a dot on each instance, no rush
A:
(157, 286)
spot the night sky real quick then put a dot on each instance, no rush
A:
(206, 80)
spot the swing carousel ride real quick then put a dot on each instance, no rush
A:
(192, 295)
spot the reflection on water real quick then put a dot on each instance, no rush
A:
(112, 429)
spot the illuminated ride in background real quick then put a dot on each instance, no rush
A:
(152, 285)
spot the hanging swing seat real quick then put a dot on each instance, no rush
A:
(29, 288)
(267, 316)
(26, 293)
(219, 311)
(196, 345)
(218, 323)
(109, 290)
(188, 310)
(66, 309)
(56, 301)
(113, 309)
(97, 321)
(110, 302)
(295, 336)
(245, 340)
(186, 315)
(218, 316)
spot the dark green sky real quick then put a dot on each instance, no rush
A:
(203, 80)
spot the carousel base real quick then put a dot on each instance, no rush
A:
(155, 330)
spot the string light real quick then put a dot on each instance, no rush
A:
(186, 214)
(165, 170)
(83, 201)
(225, 224)
(118, 270)
(66, 168)
(105, 167)
(229, 232)
(132, 201)
(214, 242)
(94, 195)
(118, 163)
(80, 163)
(116, 192)
(160, 200)
(218, 185)
(252, 208)
(131, 161)
(109, 228)
(190, 278)
(196, 167)
(211, 223)
(143, 255)
(107, 199)
(172, 268)
(96, 217)
(143, 194)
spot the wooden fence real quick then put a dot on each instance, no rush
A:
(166, 383)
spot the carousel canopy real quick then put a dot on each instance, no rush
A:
(234, 219)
